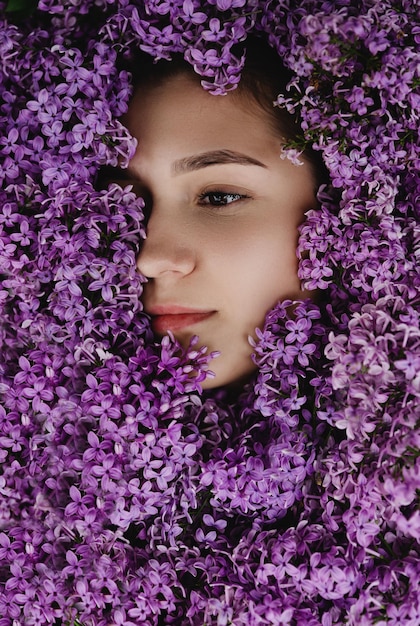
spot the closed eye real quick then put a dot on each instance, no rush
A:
(219, 198)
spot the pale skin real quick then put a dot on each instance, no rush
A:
(225, 209)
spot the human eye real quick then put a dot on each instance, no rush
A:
(218, 198)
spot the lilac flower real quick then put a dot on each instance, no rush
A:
(127, 496)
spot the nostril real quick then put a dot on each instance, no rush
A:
(162, 254)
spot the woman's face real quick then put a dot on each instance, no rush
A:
(221, 239)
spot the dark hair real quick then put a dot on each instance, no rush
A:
(263, 78)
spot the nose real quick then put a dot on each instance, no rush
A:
(167, 248)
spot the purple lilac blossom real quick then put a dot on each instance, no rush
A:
(128, 496)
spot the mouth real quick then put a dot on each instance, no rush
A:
(176, 318)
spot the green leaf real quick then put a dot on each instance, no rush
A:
(21, 6)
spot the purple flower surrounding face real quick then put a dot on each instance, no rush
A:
(127, 495)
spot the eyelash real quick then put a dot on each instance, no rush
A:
(216, 198)
(221, 195)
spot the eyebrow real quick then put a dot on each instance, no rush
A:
(188, 164)
(213, 157)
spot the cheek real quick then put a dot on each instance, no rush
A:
(248, 277)
(264, 269)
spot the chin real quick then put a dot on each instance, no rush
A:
(230, 377)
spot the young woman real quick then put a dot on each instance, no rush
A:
(224, 202)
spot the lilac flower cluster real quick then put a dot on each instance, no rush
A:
(128, 496)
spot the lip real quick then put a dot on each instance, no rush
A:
(174, 317)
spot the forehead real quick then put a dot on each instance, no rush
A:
(181, 111)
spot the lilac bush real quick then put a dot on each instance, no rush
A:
(128, 496)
